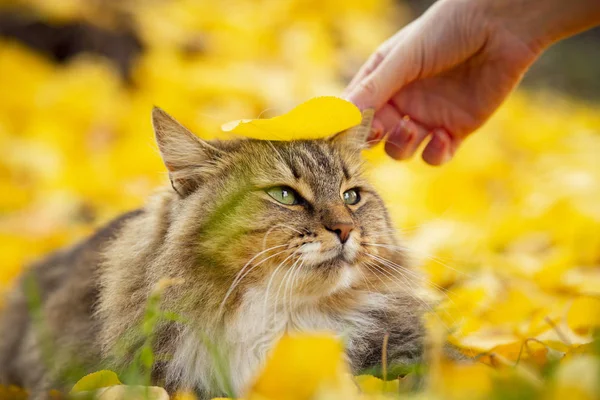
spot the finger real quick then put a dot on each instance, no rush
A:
(399, 67)
(389, 116)
(377, 133)
(440, 148)
(385, 119)
(366, 69)
(373, 61)
(419, 51)
(405, 139)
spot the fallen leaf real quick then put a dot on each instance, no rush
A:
(372, 385)
(301, 366)
(124, 392)
(584, 314)
(96, 380)
(577, 379)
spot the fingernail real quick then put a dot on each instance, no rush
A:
(376, 134)
(409, 138)
(442, 145)
(445, 157)
(409, 127)
(398, 136)
(406, 131)
(399, 141)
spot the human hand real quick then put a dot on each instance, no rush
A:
(445, 74)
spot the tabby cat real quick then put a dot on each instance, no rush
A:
(257, 238)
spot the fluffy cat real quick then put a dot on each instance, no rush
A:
(259, 237)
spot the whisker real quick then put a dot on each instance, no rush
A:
(264, 241)
(404, 281)
(253, 258)
(239, 277)
(412, 251)
(281, 264)
(365, 280)
(369, 264)
(392, 231)
(286, 286)
(443, 264)
(396, 247)
(400, 269)
(281, 284)
(293, 282)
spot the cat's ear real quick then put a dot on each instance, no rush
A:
(184, 154)
(356, 137)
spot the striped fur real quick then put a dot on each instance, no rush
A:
(248, 269)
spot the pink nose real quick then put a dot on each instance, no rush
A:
(341, 229)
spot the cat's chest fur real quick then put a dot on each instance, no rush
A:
(254, 331)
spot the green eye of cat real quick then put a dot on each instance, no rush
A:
(351, 196)
(284, 195)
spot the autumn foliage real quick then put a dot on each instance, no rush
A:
(507, 234)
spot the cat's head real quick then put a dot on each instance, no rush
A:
(297, 215)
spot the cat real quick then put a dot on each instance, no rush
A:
(257, 238)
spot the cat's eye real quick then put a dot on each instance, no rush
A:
(284, 195)
(351, 197)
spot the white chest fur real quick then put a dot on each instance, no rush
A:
(252, 334)
(259, 326)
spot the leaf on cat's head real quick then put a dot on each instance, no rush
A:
(96, 380)
(316, 118)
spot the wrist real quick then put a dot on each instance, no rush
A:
(541, 23)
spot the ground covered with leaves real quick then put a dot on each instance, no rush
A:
(507, 234)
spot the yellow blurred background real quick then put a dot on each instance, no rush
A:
(508, 233)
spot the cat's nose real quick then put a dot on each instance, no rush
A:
(341, 229)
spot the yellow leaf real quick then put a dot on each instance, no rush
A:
(124, 392)
(316, 118)
(484, 339)
(463, 381)
(302, 366)
(577, 378)
(96, 380)
(372, 385)
(13, 392)
(584, 314)
(187, 396)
